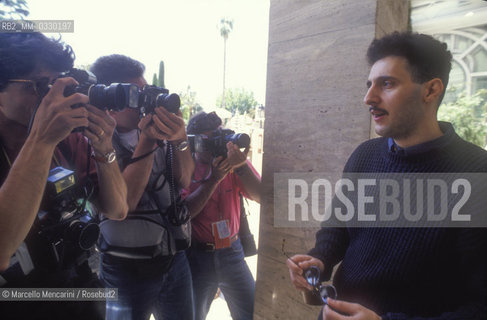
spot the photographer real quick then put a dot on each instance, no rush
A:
(29, 62)
(141, 255)
(216, 256)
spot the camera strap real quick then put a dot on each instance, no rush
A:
(132, 160)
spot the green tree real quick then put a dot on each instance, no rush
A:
(189, 104)
(226, 26)
(469, 117)
(155, 81)
(239, 101)
(159, 80)
(13, 9)
(161, 75)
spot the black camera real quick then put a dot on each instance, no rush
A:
(118, 96)
(64, 229)
(216, 144)
(151, 97)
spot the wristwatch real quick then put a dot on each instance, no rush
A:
(182, 146)
(108, 157)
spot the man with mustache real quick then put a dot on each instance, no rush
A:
(405, 273)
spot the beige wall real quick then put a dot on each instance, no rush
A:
(315, 117)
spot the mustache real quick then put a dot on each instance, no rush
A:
(375, 109)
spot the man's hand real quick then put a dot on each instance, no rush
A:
(99, 130)
(236, 158)
(55, 119)
(353, 311)
(297, 264)
(163, 125)
(219, 169)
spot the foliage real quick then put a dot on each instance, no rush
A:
(226, 25)
(239, 100)
(155, 81)
(469, 117)
(159, 80)
(161, 74)
(13, 9)
(189, 104)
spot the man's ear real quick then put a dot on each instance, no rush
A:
(433, 90)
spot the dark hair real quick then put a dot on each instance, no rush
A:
(427, 57)
(21, 53)
(202, 122)
(117, 68)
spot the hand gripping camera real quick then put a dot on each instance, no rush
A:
(216, 144)
(118, 96)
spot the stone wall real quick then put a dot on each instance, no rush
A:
(315, 117)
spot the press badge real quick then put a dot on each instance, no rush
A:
(221, 234)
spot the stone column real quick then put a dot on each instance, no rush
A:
(315, 117)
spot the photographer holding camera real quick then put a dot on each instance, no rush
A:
(29, 63)
(216, 256)
(143, 256)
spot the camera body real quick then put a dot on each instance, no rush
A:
(118, 96)
(64, 230)
(216, 144)
(151, 97)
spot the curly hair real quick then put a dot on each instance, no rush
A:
(427, 57)
(21, 53)
(202, 122)
(116, 68)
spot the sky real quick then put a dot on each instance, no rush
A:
(182, 33)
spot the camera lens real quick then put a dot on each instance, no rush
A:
(242, 140)
(116, 97)
(169, 101)
(84, 234)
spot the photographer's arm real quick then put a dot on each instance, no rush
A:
(249, 179)
(173, 128)
(198, 199)
(112, 197)
(183, 165)
(136, 174)
(22, 191)
(26, 180)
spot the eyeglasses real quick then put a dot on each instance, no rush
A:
(40, 86)
(312, 276)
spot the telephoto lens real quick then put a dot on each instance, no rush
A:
(116, 96)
